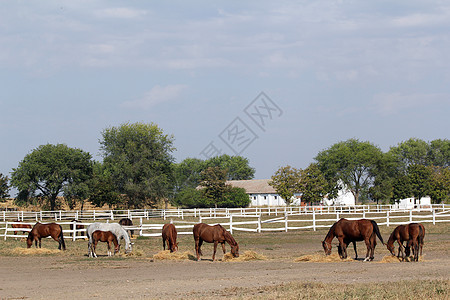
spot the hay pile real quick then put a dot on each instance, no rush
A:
(166, 255)
(134, 253)
(246, 256)
(34, 251)
(321, 258)
(394, 259)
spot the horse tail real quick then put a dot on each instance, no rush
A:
(61, 238)
(377, 231)
(420, 237)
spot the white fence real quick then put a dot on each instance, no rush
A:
(254, 220)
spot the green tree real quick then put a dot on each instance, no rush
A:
(187, 173)
(139, 158)
(351, 161)
(313, 184)
(4, 187)
(50, 170)
(102, 189)
(286, 182)
(439, 153)
(440, 185)
(401, 188)
(237, 167)
(214, 185)
(420, 178)
(411, 152)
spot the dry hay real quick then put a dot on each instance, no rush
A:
(395, 259)
(321, 258)
(167, 255)
(34, 251)
(246, 256)
(134, 253)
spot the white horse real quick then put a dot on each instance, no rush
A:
(115, 228)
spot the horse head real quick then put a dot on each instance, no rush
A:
(30, 240)
(391, 248)
(235, 250)
(326, 247)
(174, 247)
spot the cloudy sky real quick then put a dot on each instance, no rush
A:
(377, 71)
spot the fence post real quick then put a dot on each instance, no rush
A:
(22, 215)
(231, 223)
(195, 212)
(387, 218)
(314, 220)
(285, 222)
(74, 230)
(164, 214)
(40, 215)
(4, 216)
(56, 217)
(434, 217)
(112, 215)
(199, 218)
(259, 223)
(140, 226)
(94, 215)
(364, 214)
(337, 216)
(182, 215)
(410, 215)
(6, 228)
(60, 218)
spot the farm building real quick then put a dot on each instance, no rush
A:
(345, 197)
(261, 193)
(410, 203)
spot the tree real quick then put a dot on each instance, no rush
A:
(4, 187)
(237, 167)
(440, 185)
(411, 152)
(187, 173)
(286, 181)
(214, 185)
(351, 161)
(439, 153)
(139, 158)
(50, 170)
(102, 189)
(313, 184)
(420, 179)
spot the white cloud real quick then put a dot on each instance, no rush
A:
(156, 95)
(388, 104)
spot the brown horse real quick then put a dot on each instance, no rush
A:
(169, 236)
(213, 234)
(40, 231)
(413, 234)
(347, 231)
(127, 222)
(77, 226)
(107, 237)
(20, 226)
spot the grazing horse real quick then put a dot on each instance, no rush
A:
(107, 237)
(20, 226)
(213, 234)
(169, 236)
(413, 234)
(115, 228)
(347, 231)
(40, 231)
(77, 226)
(127, 222)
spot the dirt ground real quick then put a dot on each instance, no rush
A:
(76, 276)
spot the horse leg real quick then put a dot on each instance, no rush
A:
(223, 247)
(109, 248)
(215, 249)
(164, 244)
(356, 253)
(343, 253)
(368, 245)
(40, 240)
(94, 245)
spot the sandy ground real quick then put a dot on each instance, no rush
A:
(50, 278)
(78, 277)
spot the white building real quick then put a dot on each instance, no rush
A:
(410, 203)
(261, 193)
(344, 198)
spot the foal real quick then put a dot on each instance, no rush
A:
(107, 237)
(413, 234)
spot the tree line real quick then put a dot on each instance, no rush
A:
(138, 170)
(412, 169)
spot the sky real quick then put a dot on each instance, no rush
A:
(274, 81)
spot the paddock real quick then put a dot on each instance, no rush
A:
(140, 276)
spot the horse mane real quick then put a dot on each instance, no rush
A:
(230, 239)
(330, 234)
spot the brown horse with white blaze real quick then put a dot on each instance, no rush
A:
(413, 234)
(169, 236)
(213, 234)
(40, 231)
(352, 231)
(106, 237)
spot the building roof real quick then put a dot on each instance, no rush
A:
(255, 186)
